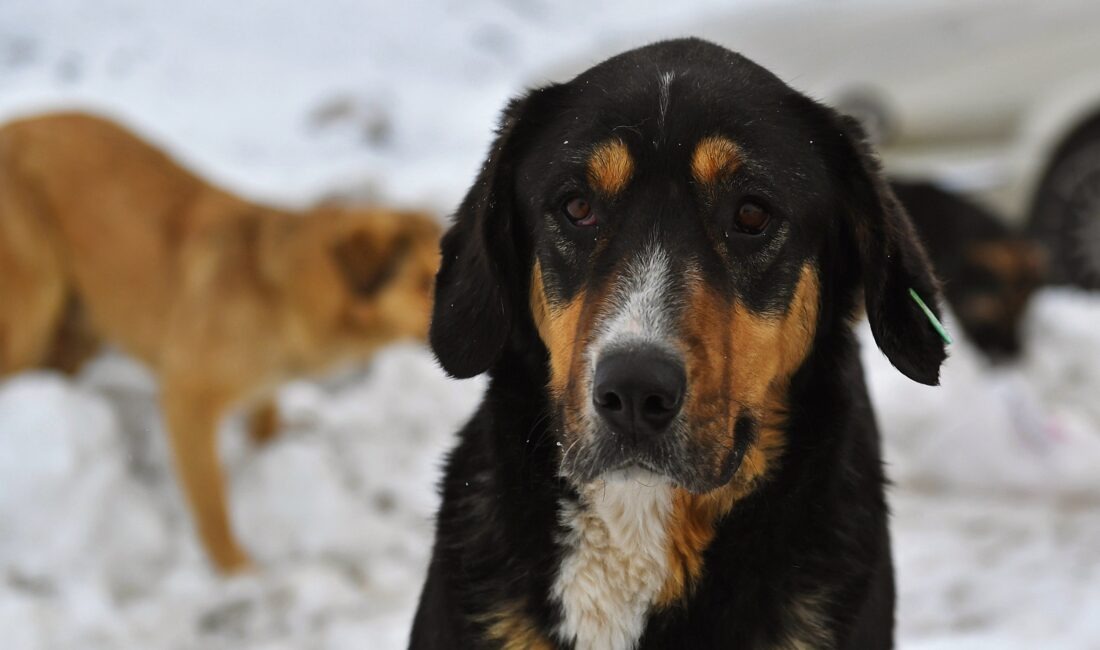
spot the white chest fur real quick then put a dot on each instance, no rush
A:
(616, 562)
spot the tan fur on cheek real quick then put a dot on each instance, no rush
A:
(566, 330)
(766, 352)
(557, 327)
(759, 354)
(713, 158)
(610, 167)
(707, 347)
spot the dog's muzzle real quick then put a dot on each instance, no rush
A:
(638, 392)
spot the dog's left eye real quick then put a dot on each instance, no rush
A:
(579, 211)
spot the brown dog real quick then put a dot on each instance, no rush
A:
(103, 237)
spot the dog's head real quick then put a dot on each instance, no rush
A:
(989, 272)
(677, 224)
(990, 290)
(364, 277)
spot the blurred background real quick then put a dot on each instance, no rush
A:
(997, 490)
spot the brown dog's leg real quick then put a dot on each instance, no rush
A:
(192, 417)
(27, 330)
(32, 284)
(74, 342)
(263, 421)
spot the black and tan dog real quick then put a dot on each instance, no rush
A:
(659, 266)
(989, 272)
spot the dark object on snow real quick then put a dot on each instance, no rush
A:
(659, 266)
(988, 271)
(1065, 213)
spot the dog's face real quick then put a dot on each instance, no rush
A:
(674, 223)
(991, 289)
(674, 283)
(365, 278)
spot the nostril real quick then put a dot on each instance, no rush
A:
(638, 391)
(610, 401)
(656, 405)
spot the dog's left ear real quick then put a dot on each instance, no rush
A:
(477, 287)
(892, 261)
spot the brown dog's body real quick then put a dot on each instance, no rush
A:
(105, 238)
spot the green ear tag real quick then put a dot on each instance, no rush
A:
(931, 318)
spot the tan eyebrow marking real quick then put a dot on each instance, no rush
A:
(610, 167)
(714, 157)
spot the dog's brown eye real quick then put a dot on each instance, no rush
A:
(579, 211)
(752, 218)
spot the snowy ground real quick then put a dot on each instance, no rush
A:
(997, 504)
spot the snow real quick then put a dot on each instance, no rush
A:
(997, 502)
(997, 533)
(337, 511)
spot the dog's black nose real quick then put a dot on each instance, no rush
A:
(639, 391)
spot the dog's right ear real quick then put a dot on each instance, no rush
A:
(477, 284)
(892, 260)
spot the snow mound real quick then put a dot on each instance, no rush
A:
(1030, 427)
(98, 551)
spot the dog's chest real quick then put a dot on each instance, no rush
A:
(616, 561)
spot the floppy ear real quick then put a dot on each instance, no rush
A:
(366, 266)
(477, 284)
(892, 261)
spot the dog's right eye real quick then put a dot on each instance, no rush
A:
(579, 211)
(752, 218)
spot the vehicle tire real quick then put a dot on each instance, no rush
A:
(1065, 215)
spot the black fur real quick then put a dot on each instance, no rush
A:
(893, 261)
(477, 284)
(818, 522)
(988, 302)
